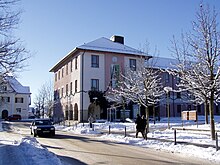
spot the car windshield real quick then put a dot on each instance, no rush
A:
(43, 122)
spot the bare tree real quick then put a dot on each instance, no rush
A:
(12, 54)
(45, 98)
(198, 57)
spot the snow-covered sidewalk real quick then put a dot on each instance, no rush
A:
(19, 150)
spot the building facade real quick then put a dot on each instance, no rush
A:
(96, 65)
(92, 66)
(15, 98)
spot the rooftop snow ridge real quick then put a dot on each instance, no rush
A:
(104, 44)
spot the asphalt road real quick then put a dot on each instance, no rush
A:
(75, 149)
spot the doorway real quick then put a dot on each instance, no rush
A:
(4, 114)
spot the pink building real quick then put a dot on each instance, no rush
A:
(87, 67)
(92, 66)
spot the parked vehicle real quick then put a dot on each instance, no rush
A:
(40, 127)
(13, 117)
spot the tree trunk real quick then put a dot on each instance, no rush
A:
(147, 118)
(211, 110)
(206, 111)
(154, 116)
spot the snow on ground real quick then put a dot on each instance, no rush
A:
(24, 150)
(196, 143)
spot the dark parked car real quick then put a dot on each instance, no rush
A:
(13, 117)
(40, 127)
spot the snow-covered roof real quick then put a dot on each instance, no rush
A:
(163, 63)
(18, 88)
(104, 44)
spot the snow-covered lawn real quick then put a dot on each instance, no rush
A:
(196, 143)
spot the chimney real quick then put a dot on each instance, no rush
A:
(118, 39)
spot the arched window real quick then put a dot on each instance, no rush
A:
(66, 112)
(71, 112)
(75, 112)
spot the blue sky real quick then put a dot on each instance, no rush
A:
(52, 28)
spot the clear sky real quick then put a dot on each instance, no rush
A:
(52, 28)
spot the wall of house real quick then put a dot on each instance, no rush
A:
(70, 74)
(11, 106)
(23, 106)
(112, 59)
(104, 74)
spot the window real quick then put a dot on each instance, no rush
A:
(95, 84)
(177, 79)
(216, 109)
(55, 94)
(18, 110)
(55, 76)
(6, 99)
(59, 75)
(75, 85)
(62, 72)
(94, 61)
(67, 69)
(59, 94)
(19, 100)
(66, 89)
(167, 77)
(62, 92)
(71, 88)
(178, 95)
(179, 109)
(199, 108)
(76, 61)
(71, 66)
(132, 64)
(169, 93)
(189, 107)
(114, 75)
(4, 88)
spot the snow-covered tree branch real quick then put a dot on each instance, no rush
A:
(198, 56)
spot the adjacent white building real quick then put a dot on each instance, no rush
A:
(14, 98)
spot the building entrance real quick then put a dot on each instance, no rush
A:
(4, 114)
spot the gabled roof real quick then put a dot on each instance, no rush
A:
(16, 86)
(106, 45)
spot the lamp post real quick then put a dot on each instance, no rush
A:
(167, 90)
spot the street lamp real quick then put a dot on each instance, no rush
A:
(167, 90)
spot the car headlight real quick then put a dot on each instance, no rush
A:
(38, 129)
(52, 128)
